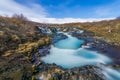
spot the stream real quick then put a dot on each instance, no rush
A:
(67, 53)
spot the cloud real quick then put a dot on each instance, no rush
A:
(10, 7)
(68, 20)
(36, 12)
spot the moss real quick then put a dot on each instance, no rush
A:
(34, 78)
(15, 67)
(29, 47)
(15, 38)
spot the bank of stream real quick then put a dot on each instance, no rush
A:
(70, 54)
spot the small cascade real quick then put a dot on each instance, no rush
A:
(67, 53)
(110, 73)
(75, 56)
(44, 30)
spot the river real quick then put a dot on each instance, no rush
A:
(67, 53)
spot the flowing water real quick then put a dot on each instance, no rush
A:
(67, 53)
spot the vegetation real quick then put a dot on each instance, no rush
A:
(15, 31)
(19, 39)
(107, 30)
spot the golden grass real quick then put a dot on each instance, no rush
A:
(101, 29)
(29, 46)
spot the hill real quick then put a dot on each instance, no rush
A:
(109, 30)
(19, 38)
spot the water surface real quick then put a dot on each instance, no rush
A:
(67, 53)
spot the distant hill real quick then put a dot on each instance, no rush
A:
(109, 30)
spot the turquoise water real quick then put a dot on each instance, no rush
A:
(68, 54)
(69, 43)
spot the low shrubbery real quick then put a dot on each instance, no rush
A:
(108, 30)
(17, 30)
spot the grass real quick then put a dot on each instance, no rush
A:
(108, 30)
(19, 39)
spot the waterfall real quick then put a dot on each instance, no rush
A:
(67, 54)
(110, 73)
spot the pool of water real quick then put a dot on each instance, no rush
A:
(68, 54)
(69, 43)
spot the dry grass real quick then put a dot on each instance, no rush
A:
(102, 29)
(16, 30)
(29, 47)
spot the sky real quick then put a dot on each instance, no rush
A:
(62, 11)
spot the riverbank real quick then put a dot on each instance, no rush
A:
(109, 30)
(18, 64)
(53, 71)
(19, 39)
(98, 44)
(22, 46)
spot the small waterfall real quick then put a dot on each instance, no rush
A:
(110, 73)
(44, 30)
(67, 34)
(64, 55)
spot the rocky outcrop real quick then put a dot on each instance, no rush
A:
(54, 72)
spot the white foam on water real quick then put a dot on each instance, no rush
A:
(68, 58)
(67, 54)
